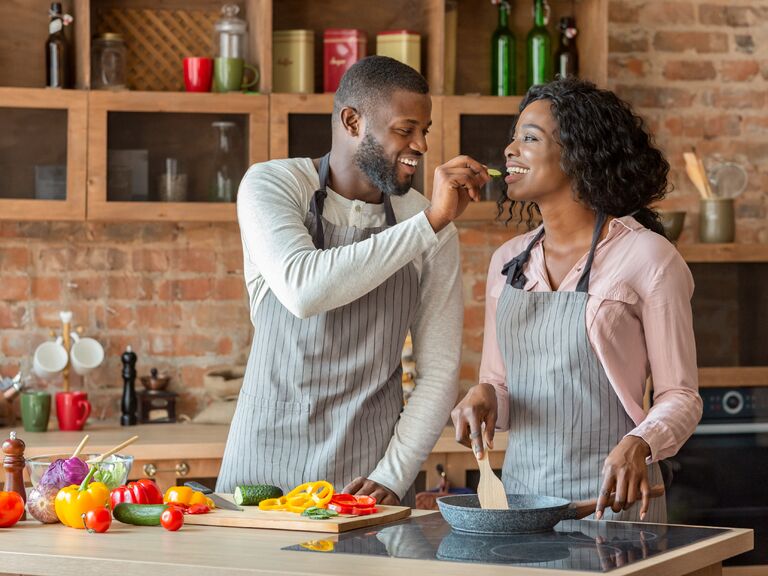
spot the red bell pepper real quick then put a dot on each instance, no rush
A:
(143, 491)
(354, 505)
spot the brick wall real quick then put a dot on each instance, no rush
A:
(697, 70)
(174, 292)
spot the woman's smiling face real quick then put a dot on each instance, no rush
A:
(533, 156)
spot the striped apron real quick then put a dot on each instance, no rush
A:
(563, 412)
(321, 395)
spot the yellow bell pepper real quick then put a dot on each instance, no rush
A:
(186, 496)
(74, 501)
(300, 498)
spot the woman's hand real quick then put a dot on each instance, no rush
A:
(478, 407)
(626, 473)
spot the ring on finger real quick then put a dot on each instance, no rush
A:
(605, 492)
(474, 435)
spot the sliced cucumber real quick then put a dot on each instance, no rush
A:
(139, 514)
(252, 495)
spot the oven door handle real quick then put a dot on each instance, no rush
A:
(732, 428)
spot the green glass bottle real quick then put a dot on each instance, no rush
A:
(539, 46)
(503, 55)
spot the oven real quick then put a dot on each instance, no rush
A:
(720, 476)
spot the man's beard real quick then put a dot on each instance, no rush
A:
(372, 161)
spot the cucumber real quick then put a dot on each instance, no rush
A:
(139, 514)
(252, 495)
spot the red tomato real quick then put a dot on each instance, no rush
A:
(172, 519)
(11, 509)
(97, 520)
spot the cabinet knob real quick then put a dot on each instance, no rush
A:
(151, 470)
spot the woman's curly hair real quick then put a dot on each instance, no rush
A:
(607, 151)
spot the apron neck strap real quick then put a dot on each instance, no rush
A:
(513, 269)
(583, 285)
(318, 201)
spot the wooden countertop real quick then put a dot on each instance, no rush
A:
(37, 549)
(163, 441)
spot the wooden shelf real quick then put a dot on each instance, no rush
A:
(254, 107)
(733, 376)
(724, 253)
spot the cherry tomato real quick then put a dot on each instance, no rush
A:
(172, 519)
(97, 520)
(11, 509)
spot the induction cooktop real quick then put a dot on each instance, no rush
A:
(584, 545)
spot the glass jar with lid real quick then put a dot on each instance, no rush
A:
(230, 38)
(108, 64)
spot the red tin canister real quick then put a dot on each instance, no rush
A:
(342, 47)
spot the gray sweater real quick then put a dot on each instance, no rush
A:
(272, 204)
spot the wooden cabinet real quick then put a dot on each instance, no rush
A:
(42, 154)
(164, 123)
(168, 126)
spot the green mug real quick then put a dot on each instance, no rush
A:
(229, 75)
(35, 411)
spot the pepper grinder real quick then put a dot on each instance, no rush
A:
(129, 404)
(14, 467)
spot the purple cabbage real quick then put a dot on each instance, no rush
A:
(62, 473)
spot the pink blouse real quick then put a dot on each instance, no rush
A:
(638, 320)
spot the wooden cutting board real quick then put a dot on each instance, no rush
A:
(252, 517)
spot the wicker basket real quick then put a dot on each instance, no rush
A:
(157, 41)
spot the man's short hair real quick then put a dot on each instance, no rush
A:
(372, 80)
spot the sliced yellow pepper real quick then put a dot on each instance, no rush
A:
(186, 496)
(300, 498)
(74, 501)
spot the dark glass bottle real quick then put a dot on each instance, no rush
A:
(567, 55)
(503, 55)
(539, 46)
(57, 73)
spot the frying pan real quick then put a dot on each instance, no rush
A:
(527, 512)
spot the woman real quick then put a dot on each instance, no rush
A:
(580, 311)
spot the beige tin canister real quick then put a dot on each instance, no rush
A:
(293, 61)
(402, 45)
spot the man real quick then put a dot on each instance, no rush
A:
(342, 258)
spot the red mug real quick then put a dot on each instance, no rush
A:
(72, 410)
(198, 73)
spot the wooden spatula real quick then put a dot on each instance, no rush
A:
(490, 490)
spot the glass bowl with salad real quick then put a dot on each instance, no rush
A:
(113, 471)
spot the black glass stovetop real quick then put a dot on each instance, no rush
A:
(574, 545)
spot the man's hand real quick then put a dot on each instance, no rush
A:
(363, 487)
(626, 473)
(456, 182)
(478, 407)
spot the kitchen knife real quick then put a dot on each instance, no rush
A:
(218, 500)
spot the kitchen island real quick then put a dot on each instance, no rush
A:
(30, 548)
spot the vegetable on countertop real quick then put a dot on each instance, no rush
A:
(354, 505)
(143, 491)
(74, 501)
(253, 495)
(11, 508)
(41, 503)
(64, 472)
(300, 498)
(139, 514)
(97, 520)
(315, 513)
(172, 519)
(185, 496)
